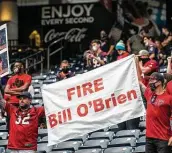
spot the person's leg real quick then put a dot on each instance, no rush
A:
(162, 146)
(150, 146)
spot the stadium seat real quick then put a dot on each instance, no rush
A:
(43, 140)
(62, 151)
(3, 135)
(2, 121)
(140, 149)
(114, 128)
(42, 147)
(141, 141)
(128, 133)
(100, 143)
(102, 135)
(118, 150)
(42, 132)
(142, 125)
(36, 102)
(49, 81)
(143, 133)
(67, 145)
(126, 141)
(3, 143)
(39, 77)
(37, 86)
(89, 151)
(37, 96)
(81, 138)
(3, 128)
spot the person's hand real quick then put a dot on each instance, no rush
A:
(170, 142)
(169, 59)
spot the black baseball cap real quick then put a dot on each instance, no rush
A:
(25, 94)
(157, 76)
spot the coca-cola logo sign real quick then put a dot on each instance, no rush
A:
(73, 35)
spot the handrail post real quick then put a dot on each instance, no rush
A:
(26, 65)
(48, 58)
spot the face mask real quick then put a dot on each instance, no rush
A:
(144, 60)
(153, 86)
(94, 48)
(24, 106)
(17, 70)
(146, 43)
(65, 69)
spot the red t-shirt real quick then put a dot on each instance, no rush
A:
(158, 115)
(16, 81)
(153, 65)
(169, 88)
(23, 127)
(122, 56)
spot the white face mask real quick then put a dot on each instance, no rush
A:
(146, 43)
(94, 48)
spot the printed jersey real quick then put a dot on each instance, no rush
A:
(153, 65)
(101, 56)
(23, 127)
(16, 81)
(158, 115)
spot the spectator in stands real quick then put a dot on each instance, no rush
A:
(159, 106)
(65, 71)
(147, 66)
(98, 58)
(120, 47)
(162, 57)
(107, 45)
(17, 84)
(167, 42)
(151, 47)
(23, 124)
(135, 43)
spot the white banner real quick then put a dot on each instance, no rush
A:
(4, 57)
(97, 99)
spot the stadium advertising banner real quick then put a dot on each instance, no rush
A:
(4, 57)
(92, 101)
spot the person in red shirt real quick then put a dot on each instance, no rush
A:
(159, 108)
(147, 66)
(120, 47)
(23, 124)
(18, 83)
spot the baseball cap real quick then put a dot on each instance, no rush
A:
(143, 53)
(157, 76)
(25, 94)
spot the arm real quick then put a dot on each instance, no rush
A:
(100, 61)
(110, 49)
(169, 69)
(22, 88)
(2, 101)
(128, 46)
(166, 41)
(9, 91)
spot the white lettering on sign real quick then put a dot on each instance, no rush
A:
(59, 12)
(73, 35)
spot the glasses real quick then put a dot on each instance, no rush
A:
(153, 98)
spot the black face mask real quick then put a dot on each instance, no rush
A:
(144, 60)
(24, 107)
(65, 69)
(152, 86)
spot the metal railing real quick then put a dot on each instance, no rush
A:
(50, 53)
